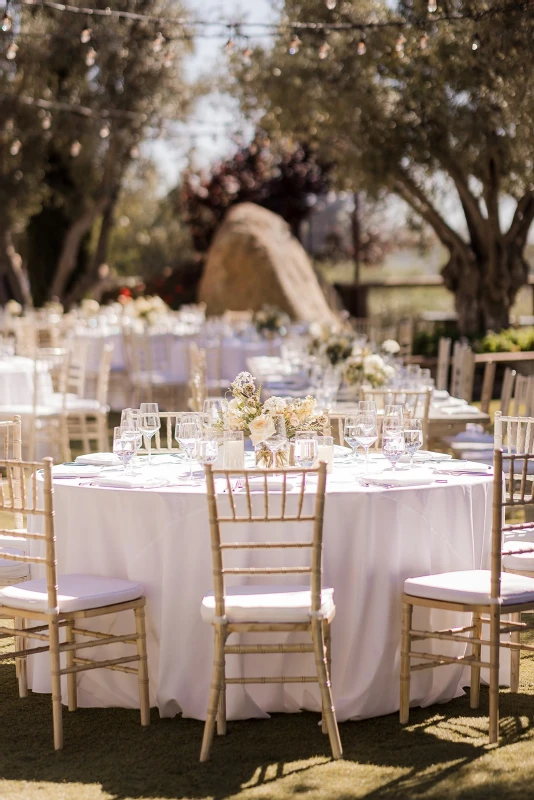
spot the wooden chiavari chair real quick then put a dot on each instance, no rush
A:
(148, 360)
(522, 402)
(444, 360)
(11, 449)
(63, 601)
(271, 607)
(463, 371)
(86, 417)
(485, 594)
(415, 402)
(163, 440)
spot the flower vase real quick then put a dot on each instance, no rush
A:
(264, 457)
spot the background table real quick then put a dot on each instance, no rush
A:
(373, 540)
(16, 380)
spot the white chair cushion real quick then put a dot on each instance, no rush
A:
(268, 604)
(471, 586)
(75, 593)
(523, 561)
(12, 569)
(74, 403)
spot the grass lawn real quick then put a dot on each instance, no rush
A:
(442, 754)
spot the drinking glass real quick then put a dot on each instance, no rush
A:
(349, 435)
(306, 448)
(277, 440)
(393, 444)
(130, 418)
(149, 423)
(188, 432)
(124, 448)
(367, 405)
(213, 409)
(413, 438)
(394, 414)
(366, 432)
(206, 449)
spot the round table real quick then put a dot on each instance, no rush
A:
(16, 381)
(374, 538)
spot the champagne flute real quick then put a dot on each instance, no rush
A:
(277, 440)
(349, 435)
(393, 443)
(366, 432)
(188, 432)
(413, 438)
(124, 448)
(149, 423)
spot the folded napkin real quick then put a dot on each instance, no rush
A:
(119, 481)
(426, 455)
(439, 395)
(99, 459)
(411, 477)
(74, 471)
(459, 410)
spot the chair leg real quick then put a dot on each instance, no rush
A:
(495, 630)
(21, 662)
(53, 632)
(324, 684)
(328, 647)
(213, 703)
(221, 709)
(515, 655)
(72, 678)
(405, 674)
(476, 649)
(142, 669)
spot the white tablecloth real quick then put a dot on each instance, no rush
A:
(373, 540)
(16, 381)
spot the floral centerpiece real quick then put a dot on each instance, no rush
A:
(147, 308)
(390, 347)
(271, 320)
(363, 366)
(13, 308)
(89, 306)
(246, 413)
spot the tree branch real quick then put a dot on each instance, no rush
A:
(492, 186)
(522, 220)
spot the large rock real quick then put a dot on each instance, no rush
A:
(254, 259)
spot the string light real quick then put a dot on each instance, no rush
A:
(104, 132)
(12, 51)
(475, 42)
(399, 44)
(47, 122)
(361, 48)
(294, 45)
(15, 147)
(75, 148)
(85, 35)
(229, 46)
(331, 4)
(324, 50)
(90, 57)
(423, 41)
(158, 43)
(7, 22)
(432, 6)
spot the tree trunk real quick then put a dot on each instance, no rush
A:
(13, 280)
(92, 276)
(485, 286)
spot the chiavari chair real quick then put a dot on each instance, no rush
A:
(270, 607)
(62, 601)
(148, 360)
(485, 594)
(87, 417)
(164, 440)
(444, 360)
(415, 402)
(11, 449)
(463, 371)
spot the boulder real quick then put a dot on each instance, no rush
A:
(254, 260)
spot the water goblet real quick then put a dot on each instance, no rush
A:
(349, 435)
(123, 448)
(130, 418)
(366, 432)
(413, 438)
(393, 444)
(206, 449)
(277, 440)
(306, 449)
(149, 423)
(213, 409)
(187, 433)
(367, 405)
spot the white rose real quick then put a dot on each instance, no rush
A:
(261, 428)
(274, 405)
(90, 305)
(13, 308)
(391, 347)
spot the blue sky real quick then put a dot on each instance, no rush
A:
(215, 114)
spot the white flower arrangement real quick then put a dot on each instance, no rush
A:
(13, 308)
(366, 367)
(271, 320)
(148, 308)
(90, 306)
(390, 347)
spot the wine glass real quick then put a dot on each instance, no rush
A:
(213, 409)
(187, 432)
(367, 405)
(349, 435)
(130, 419)
(124, 448)
(393, 443)
(277, 440)
(413, 438)
(206, 449)
(149, 423)
(394, 414)
(366, 432)
(306, 446)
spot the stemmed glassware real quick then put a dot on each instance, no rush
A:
(188, 432)
(206, 448)
(130, 421)
(124, 447)
(366, 432)
(278, 439)
(349, 434)
(213, 409)
(392, 442)
(149, 423)
(413, 437)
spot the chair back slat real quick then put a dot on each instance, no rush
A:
(416, 403)
(444, 359)
(507, 390)
(234, 504)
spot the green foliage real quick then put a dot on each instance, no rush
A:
(511, 340)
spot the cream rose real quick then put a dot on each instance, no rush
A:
(261, 428)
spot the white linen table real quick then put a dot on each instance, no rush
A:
(374, 538)
(16, 381)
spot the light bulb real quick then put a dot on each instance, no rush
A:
(423, 41)
(11, 51)
(432, 6)
(47, 122)
(294, 45)
(158, 42)
(15, 147)
(324, 50)
(90, 57)
(229, 46)
(475, 43)
(361, 49)
(331, 4)
(85, 35)
(75, 148)
(6, 22)
(104, 132)
(399, 44)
